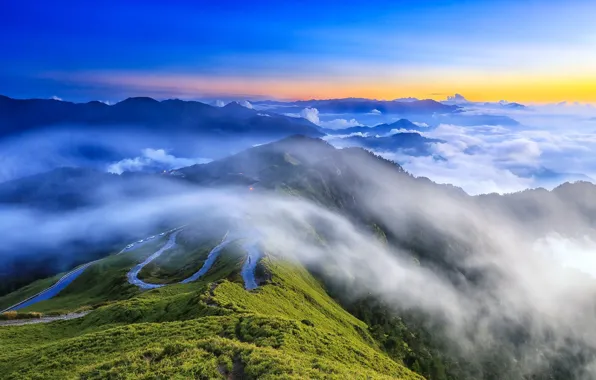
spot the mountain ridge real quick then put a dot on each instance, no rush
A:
(20, 115)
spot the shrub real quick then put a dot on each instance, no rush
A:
(8, 315)
(11, 315)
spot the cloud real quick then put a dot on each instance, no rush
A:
(401, 130)
(246, 103)
(375, 112)
(219, 103)
(337, 140)
(456, 99)
(56, 98)
(552, 144)
(516, 286)
(424, 125)
(311, 114)
(153, 159)
(340, 123)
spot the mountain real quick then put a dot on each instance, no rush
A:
(411, 142)
(460, 100)
(18, 116)
(548, 178)
(380, 129)
(304, 315)
(47, 134)
(471, 119)
(408, 99)
(357, 105)
(378, 138)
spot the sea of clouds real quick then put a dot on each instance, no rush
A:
(551, 144)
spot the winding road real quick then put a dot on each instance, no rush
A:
(250, 265)
(213, 255)
(68, 278)
(247, 271)
(50, 292)
(133, 274)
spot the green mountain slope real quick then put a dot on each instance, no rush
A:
(291, 326)
(287, 328)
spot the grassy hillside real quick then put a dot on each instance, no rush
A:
(288, 328)
(28, 291)
(178, 263)
(101, 282)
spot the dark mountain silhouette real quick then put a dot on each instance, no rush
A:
(358, 105)
(17, 116)
(414, 143)
(381, 129)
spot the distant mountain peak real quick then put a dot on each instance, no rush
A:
(138, 100)
(408, 99)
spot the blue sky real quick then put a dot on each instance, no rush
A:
(107, 50)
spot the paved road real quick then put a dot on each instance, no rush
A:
(50, 292)
(247, 272)
(19, 322)
(250, 265)
(68, 278)
(140, 243)
(213, 255)
(133, 274)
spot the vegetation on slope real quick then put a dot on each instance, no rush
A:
(28, 291)
(179, 262)
(103, 281)
(288, 328)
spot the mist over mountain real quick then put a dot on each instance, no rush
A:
(360, 105)
(460, 100)
(314, 190)
(363, 210)
(134, 134)
(383, 242)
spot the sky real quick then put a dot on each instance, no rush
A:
(527, 51)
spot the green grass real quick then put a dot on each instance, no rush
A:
(102, 282)
(177, 263)
(287, 329)
(28, 291)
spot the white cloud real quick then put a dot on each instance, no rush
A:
(311, 114)
(153, 159)
(577, 254)
(481, 159)
(456, 99)
(424, 125)
(56, 98)
(246, 103)
(340, 123)
(219, 103)
(401, 130)
(375, 112)
(337, 139)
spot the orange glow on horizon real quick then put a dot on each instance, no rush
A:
(437, 86)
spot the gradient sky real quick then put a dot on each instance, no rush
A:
(529, 51)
